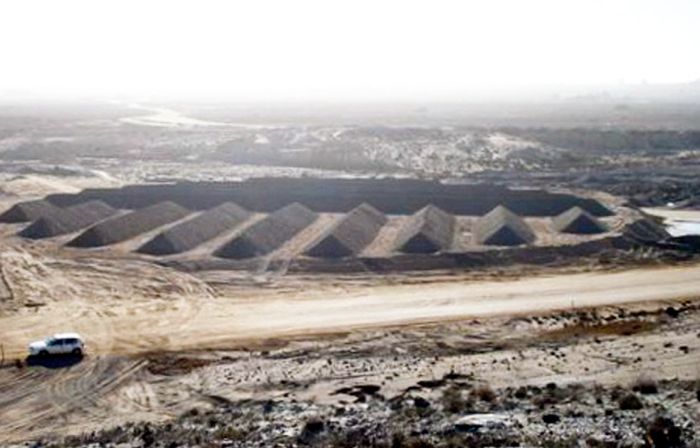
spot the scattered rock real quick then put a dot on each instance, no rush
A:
(664, 433)
(369, 389)
(269, 406)
(454, 376)
(672, 312)
(600, 442)
(311, 430)
(551, 419)
(521, 393)
(480, 422)
(646, 387)
(630, 402)
(421, 403)
(431, 384)
(485, 393)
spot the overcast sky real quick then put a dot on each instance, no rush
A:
(333, 50)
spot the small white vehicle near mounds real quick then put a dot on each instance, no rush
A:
(58, 344)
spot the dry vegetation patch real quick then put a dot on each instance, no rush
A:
(596, 329)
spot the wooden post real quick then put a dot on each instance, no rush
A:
(2, 355)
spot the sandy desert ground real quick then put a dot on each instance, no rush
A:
(162, 342)
(253, 358)
(171, 311)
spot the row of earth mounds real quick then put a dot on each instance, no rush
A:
(607, 249)
(390, 196)
(430, 230)
(502, 227)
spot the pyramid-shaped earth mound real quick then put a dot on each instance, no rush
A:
(501, 227)
(429, 230)
(646, 230)
(269, 234)
(68, 220)
(350, 235)
(124, 227)
(29, 211)
(194, 232)
(577, 220)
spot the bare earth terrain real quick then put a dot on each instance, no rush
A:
(601, 349)
(125, 318)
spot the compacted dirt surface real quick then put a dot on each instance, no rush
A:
(604, 374)
(594, 353)
(128, 307)
(165, 344)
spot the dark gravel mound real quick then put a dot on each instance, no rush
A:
(68, 220)
(430, 230)
(501, 227)
(270, 233)
(192, 233)
(391, 196)
(130, 225)
(29, 211)
(646, 231)
(577, 220)
(350, 235)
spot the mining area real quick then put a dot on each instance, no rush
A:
(374, 276)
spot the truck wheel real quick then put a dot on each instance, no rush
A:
(43, 353)
(77, 352)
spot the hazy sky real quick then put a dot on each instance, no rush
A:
(331, 50)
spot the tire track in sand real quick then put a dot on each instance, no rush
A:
(42, 398)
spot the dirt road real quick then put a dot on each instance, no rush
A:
(398, 305)
(193, 317)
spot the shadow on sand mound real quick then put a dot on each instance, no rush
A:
(349, 236)
(192, 233)
(502, 227)
(427, 231)
(128, 226)
(578, 221)
(28, 211)
(269, 234)
(68, 220)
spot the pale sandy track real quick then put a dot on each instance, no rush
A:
(218, 322)
(30, 399)
(399, 305)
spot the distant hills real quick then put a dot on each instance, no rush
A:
(677, 93)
